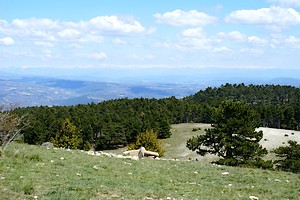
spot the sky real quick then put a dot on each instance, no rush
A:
(141, 37)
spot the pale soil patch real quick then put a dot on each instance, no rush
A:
(175, 146)
(274, 138)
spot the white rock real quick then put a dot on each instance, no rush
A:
(277, 180)
(95, 167)
(62, 158)
(253, 197)
(225, 173)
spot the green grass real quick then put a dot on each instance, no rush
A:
(34, 172)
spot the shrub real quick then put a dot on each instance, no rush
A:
(68, 136)
(196, 129)
(148, 140)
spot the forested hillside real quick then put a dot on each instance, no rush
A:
(116, 123)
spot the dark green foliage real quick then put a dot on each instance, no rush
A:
(232, 136)
(115, 123)
(290, 157)
(278, 106)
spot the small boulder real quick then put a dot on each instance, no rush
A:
(48, 144)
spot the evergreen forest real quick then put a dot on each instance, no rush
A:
(116, 123)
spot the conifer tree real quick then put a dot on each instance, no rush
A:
(232, 136)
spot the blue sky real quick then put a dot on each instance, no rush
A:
(56, 37)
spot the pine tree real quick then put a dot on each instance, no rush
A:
(232, 136)
(290, 157)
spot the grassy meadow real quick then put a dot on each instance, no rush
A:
(35, 172)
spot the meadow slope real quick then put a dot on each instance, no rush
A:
(35, 172)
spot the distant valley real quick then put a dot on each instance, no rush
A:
(36, 91)
(39, 90)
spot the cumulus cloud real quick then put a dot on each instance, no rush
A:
(7, 41)
(194, 38)
(237, 36)
(113, 23)
(118, 41)
(185, 18)
(281, 41)
(256, 40)
(274, 17)
(85, 31)
(95, 55)
(286, 3)
(69, 33)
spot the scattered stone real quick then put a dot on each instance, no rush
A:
(2, 178)
(126, 163)
(287, 181)
(78, 174)
(141, 153)
(21, 176)
(48, 144)
(62, 158)
(129, 173)
(225, 173)
(134, 158)
(95, 167)
(230, 185)
(277, 180)
(253, 197)
(195, 172)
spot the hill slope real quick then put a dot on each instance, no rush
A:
(33, 172)
(176, 145)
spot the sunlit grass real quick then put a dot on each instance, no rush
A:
(32, 172)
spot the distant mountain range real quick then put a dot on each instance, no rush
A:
(35, 91)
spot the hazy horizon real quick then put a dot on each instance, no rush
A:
(147, 40)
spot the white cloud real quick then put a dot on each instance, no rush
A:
(45, 44)
(222, 50)
(252, 52)
(113, 23)
(69, 33)
(281, 41)
(256, 40)
(92, 30)
(118, 41)
(195, 38)
(93, 55)
(286, 3)
(236, 36)
(275, 18)
(7, 41)
(141, 58)
(185, 18)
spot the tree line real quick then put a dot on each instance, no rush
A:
(115, 123)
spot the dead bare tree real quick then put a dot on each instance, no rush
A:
(11, 126)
